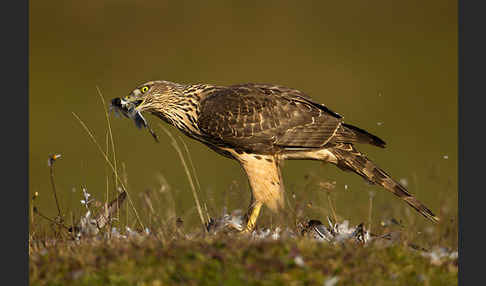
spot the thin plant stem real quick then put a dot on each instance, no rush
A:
(333, 212)
(111, 136)
(181, 156)
(36, 211)
(51, 171)
(369, 213)
(125, 179)
(31, 210)
(191, 163)
(111, 166)
(194, 172)
(107, 177)
(108, 188)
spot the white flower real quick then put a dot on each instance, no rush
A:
(86, 200)
(131, 233)
(276, 233)
(299, 261)
(331, 281)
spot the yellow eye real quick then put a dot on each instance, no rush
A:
(144, 89)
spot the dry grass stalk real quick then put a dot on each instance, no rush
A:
(168, 207)
(195, 175)
(191, 163)
(370, 210)
(328, 188)
(36, 211)
(111, 136)
(51, 160)
(181, 156)
(106, 171)
(111, 166)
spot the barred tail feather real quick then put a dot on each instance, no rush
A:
(350, 159)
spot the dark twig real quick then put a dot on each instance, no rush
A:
(36, 211)
(51, 160)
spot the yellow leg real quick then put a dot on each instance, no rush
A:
(252, 216)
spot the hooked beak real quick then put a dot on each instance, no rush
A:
(128, 102)
(128, 107)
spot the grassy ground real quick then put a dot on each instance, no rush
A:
(225, 260)
(178, 252)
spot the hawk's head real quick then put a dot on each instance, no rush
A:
(156, 97)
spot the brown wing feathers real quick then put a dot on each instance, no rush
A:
(351, 134)
(263, 119)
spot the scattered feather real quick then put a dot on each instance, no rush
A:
(331, 281)
(299, 261)
(439, 255)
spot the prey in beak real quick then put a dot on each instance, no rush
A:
(129, 109)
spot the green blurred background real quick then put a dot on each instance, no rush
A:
(389, 67)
